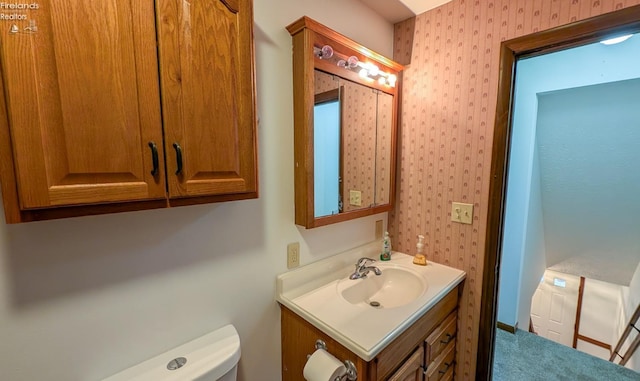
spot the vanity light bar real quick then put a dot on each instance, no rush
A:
(365, 70)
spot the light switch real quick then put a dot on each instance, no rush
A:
(462, 213)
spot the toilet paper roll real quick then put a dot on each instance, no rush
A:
(322, 366)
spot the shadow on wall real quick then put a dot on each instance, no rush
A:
(52, 259)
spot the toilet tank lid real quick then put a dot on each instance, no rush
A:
(213, 355)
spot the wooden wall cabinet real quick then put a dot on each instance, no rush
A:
(125, 105)
(424, 351)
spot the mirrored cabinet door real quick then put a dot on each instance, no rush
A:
(345, 108)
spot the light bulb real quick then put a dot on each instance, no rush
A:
(326, 52)
(392, 80)
(352, 62)
(373, 70)
(382, 81)
(363, 73)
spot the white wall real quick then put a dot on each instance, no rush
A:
(588, 142)
(600, 311)
(83, 298)
(534, 259)
(587, 65)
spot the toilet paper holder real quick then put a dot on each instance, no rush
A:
(352, 372)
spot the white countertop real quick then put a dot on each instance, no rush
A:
(311, 292)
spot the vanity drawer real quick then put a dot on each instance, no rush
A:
(439, 369)
(438, 340)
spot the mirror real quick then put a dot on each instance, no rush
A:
(344, 126)
(351, 142)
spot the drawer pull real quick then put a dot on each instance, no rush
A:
(448, 365)
(448, 339)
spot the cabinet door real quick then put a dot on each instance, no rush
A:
(207, 82)
(412, 369)
(82, 102)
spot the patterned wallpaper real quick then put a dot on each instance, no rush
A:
(325, 82)
(447, 116)
(359, 142)
(383, 147)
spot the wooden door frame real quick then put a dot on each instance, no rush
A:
(579, 33)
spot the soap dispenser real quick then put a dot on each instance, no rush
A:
(385, 255)
(420, 258)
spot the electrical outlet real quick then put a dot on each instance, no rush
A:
(355, 198)
(293, 255)
(462, 213)
(379, 229)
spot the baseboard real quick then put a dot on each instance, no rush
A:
(507, 327)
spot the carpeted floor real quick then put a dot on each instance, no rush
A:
(527, 357)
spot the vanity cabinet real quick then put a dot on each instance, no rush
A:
(110, 106)
(416, 354)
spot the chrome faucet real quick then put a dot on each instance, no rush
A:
(362, 269)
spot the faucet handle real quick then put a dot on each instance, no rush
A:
(363, 261)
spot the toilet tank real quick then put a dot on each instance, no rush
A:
(213, 357)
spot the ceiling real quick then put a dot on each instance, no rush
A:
(398, 10)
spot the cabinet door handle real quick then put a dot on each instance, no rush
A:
(154, 158)
(178, 157)
(448, 339)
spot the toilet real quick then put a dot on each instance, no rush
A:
(213, 357)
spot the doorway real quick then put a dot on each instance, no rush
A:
(577, 34)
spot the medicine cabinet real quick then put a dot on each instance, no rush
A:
(345, 126)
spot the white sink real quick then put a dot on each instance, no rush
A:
(322, 294)
(395, 287)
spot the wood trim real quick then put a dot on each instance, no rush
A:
(507, 327)
(563, 37)
(532, 329)
(309, 23)
(576, 326)
(493, 242)
(576, 34)
(593, 341)
(302, 115)
(94, 210)
(631, 350)
(625, 334)
(346, 216)
(327, 96)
